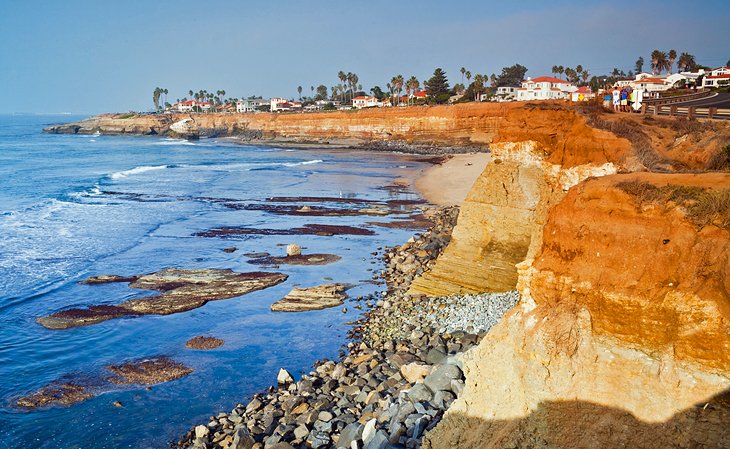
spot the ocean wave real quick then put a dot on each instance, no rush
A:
(168, 142)
(295, 164)
(137, 170)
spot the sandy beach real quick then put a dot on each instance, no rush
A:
(448, 184)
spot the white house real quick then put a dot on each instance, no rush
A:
(506, 93)
(545, 88)
(279, 104)
(717, 77)
(245, 106)
(366, 101)
(190, 105)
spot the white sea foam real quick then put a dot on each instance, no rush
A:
(137, 170)
(294, 164)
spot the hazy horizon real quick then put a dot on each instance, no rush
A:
(89, 57)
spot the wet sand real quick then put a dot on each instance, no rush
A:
(448, 184)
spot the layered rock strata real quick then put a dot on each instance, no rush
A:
(622, 335)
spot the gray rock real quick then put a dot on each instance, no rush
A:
(441, 377)
(323, 426)
(457, 386)
(419, 426)
(301, 432)
(435, 356)
(379, 440)
(420, 393)
(368, 432)
(324, 415)
(318, 439)
(442, 399)
(351, 432)
(242, 439)
(284, 377)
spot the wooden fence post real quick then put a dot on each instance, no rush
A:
(672, 111)
(711, 112)
(690, 112)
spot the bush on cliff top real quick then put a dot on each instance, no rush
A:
(701, 206)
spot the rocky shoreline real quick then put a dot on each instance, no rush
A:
(394, 380)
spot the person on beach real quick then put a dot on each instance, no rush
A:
(616, 99)
(624, 100)
(630, 101)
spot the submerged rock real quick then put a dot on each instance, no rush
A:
(302, 259)
(311, 298)
(55, 394)
(202, 342)
(149, 371)
(182, 290)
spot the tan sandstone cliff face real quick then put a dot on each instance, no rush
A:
(622, 336)
(501, 220)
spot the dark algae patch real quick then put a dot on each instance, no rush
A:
(147, 371)
(203, 343)
(302, 259)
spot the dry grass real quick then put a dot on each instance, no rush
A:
(701, 206)
(640, 142)
(720, 161)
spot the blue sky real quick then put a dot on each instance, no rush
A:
(97, 56)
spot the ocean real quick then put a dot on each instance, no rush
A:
(73, 206)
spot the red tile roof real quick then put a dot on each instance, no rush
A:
(548, 79)
(727, 75)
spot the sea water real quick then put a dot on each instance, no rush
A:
(73, 206)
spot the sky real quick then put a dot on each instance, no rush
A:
(92, 56)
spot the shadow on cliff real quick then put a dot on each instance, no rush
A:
(579, 424)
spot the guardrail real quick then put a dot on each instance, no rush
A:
(687, 111)
(678, 98)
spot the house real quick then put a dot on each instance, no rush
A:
(192, 105)
(506, 93)
(366, 101)
(420, 95)
(228, 107)
(584, 93)
(654, 84)
(279, 105)
(545, 88)
(245, 106)
(717, 77)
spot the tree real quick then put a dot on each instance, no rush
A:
(513, 75)
(671, 57)
(437, 87)
(686, 62)
(396, 85)
(463, 72)
(321, 92)
(412, 85)
(299, 89)
(468, 76)
(477, 87)
(578, 69)
(570, 74)
(341, 75)
(560, 72)
(639, 65)
(554, 70)
(377, 93)
(156, 98)
(659, 61)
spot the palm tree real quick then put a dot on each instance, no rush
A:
(657, 61)
(686, 62)
(478, 86)
(671, 58)
(299, 89)
(468, 77)
(390, 89)
(341, 75)
(639, 65)
(190, 92)
(156, 98)
(554, 70)
(560, 71)
(413, 84)
(579, 69)
(463, 72)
